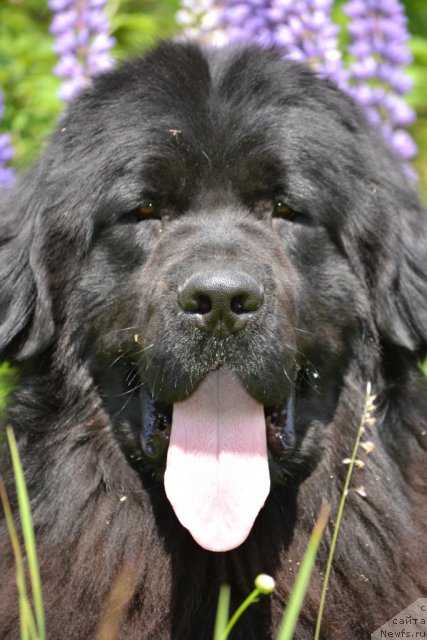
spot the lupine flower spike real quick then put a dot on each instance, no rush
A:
(7, 175)
(302, 28)
(379, 47)
(82, 41)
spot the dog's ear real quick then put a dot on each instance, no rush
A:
(402, 292)
(385, 238)
(26, 323)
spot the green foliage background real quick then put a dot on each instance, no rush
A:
(27, 59)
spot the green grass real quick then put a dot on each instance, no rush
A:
(264, 585)
(8, 381)
(293, 608)
(30, 609)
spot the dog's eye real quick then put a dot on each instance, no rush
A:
(148, 210)
(282, 210)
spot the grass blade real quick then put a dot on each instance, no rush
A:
(296, 599)
(117, 603)
(366, 419)
(8, 381)
(222, 612)
(28, 534)
(28, 627)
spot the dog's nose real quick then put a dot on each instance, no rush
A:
(221, 301)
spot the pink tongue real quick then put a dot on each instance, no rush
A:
(217, 476)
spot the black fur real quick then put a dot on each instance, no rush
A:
(89, 311)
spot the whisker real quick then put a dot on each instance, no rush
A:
(125, 404)
(131, 328)
(127, 393)
(120, 356)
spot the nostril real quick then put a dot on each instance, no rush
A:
(192, 300)
(247, 301)
(237, 305)
(204, 304)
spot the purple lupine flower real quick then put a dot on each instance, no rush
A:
(301, 28)
(82, 41)
(7, 174)
(305, 31)
(249, 21)
(377, 81)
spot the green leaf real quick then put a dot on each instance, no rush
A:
(296, 599)
(28, 534)
(222, 612)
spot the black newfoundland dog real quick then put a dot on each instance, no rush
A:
(211, 260)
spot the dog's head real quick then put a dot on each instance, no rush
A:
(213, 238)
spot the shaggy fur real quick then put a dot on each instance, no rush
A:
(178, 163)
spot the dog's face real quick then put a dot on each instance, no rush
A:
(212, 247)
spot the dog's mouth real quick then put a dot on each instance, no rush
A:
(215, 446)
(157, 425)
